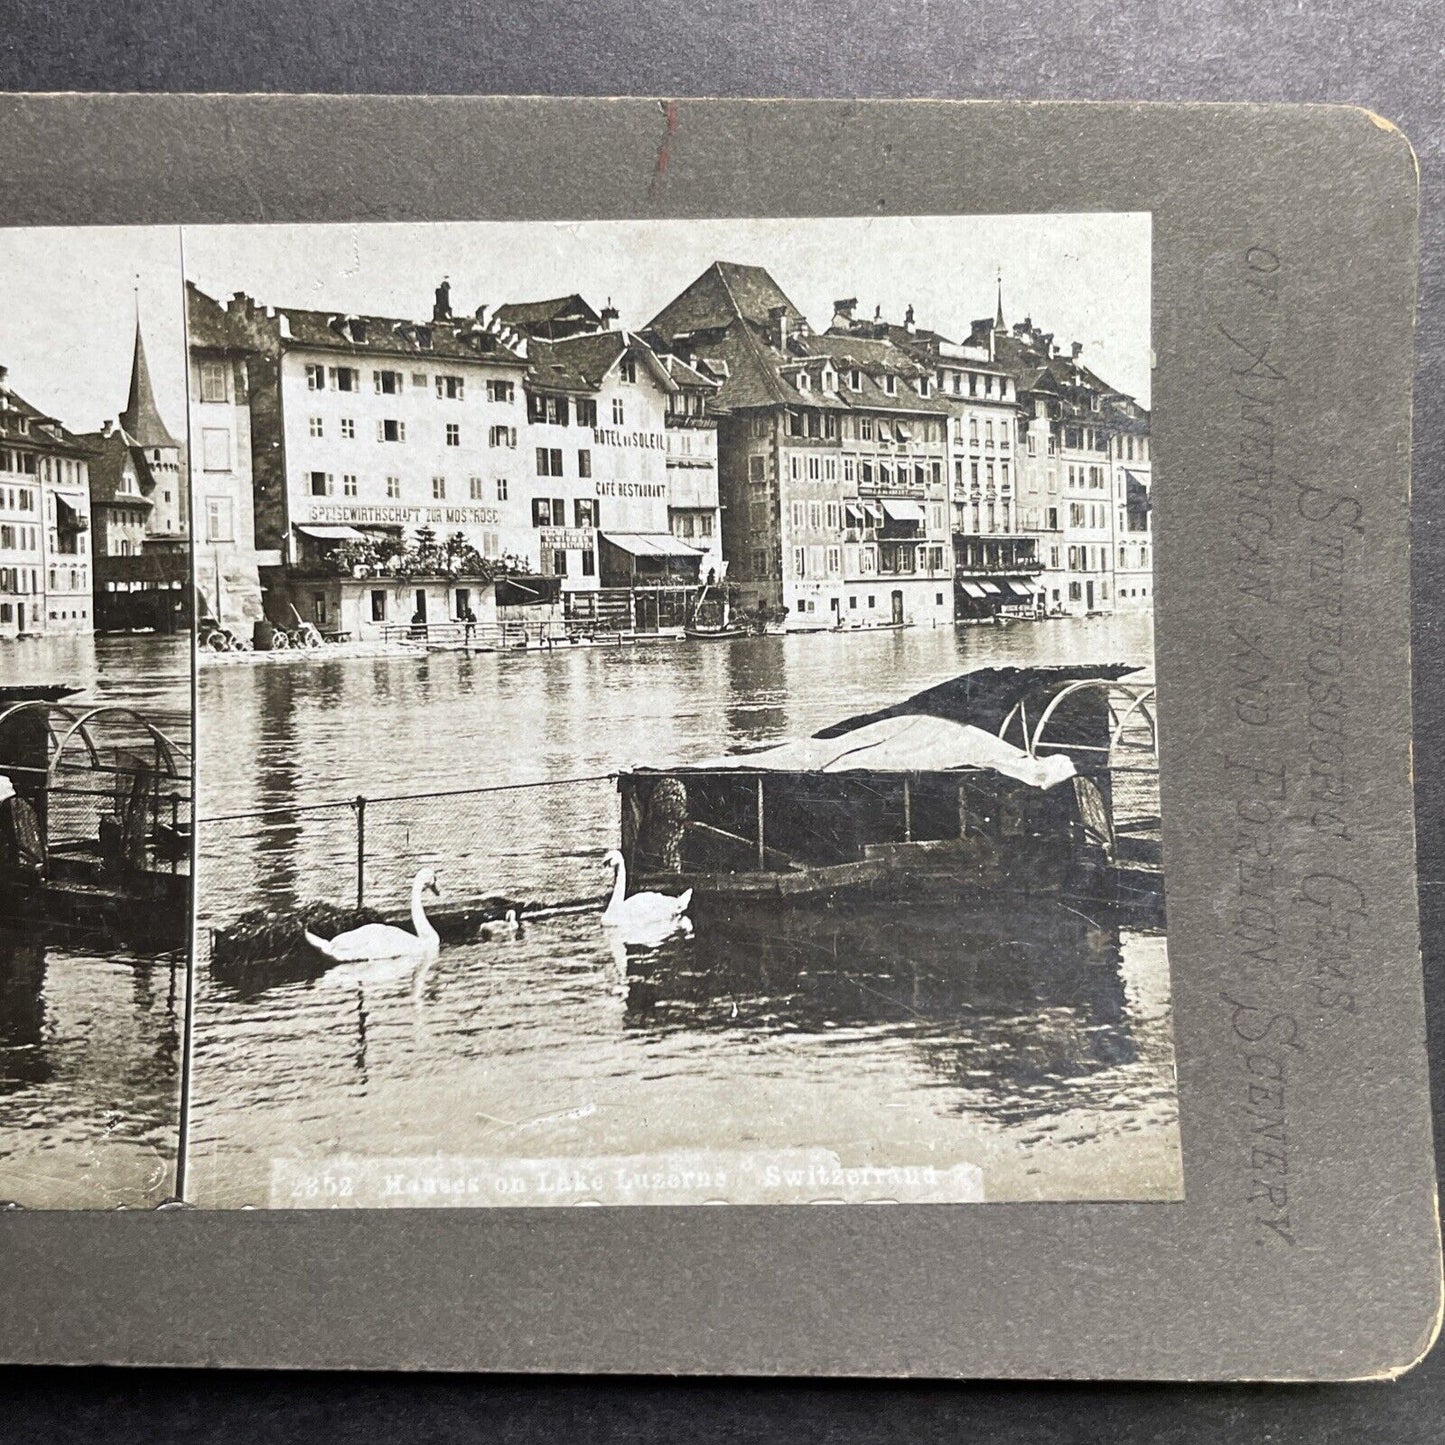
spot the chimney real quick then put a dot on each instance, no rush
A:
(105, 427)
(1077, 347)
(4, 372)
(442, 306)
(609, 315)
(237, 303)
(843, 313)
(908, 319)
(778, 327)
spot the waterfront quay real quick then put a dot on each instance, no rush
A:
(549, 468)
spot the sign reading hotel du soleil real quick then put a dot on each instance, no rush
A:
(653, 441)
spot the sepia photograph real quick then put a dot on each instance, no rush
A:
(676, 717)
(95, 716)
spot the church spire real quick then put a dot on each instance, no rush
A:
(141, 419)
(998, 316)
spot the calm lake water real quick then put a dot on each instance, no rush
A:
(90, 1044)
(1033, 1048)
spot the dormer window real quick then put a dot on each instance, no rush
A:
(628, 370)
(924, 386)
(804, 384)
(890, 384)
(855, 379)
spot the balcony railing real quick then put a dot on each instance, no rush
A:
(1017, 567)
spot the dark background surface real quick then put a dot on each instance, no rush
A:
(1388, 60)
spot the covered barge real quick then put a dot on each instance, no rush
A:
(1003, 781)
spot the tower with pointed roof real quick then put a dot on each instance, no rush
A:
(157, 452)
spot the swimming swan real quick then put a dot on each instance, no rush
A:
(386, 940)
(643, 915)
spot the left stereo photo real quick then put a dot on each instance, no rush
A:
(96, 604)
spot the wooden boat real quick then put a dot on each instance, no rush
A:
(110, 798)
(714, 634)
(916, 803)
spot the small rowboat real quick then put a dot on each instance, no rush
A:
(715, 634)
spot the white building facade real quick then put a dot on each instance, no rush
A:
(45, 542)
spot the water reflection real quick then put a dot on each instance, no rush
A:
(90, 1042)
(959, 1036)
(1005, 1012)
(23, 1061)
(89, 1075)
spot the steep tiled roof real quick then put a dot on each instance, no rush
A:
(141, 417)
(725, 292)
(917, 342)
(685, 375)
(870, 354)
(209, 326)
(762, 376)
(27, 425)
(461, 339)
(522, 314)
(109, 457)
(752, 378)
(577, 363)
(244, 323)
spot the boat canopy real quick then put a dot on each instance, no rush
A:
(909, 744)
(987, 696)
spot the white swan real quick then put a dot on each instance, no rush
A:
(508, 927)
(644, 917)
(376, 941)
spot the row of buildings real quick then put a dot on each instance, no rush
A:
(368, 472)
(94, 532)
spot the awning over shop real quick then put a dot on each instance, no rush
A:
(527, 591)
(651, 544)
(854, 514)
(905, 512)
(69, 513)
(992, 588)
(973, 589)
(1020, 589)
(909, 744)
(330, 534)
(874, 513)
